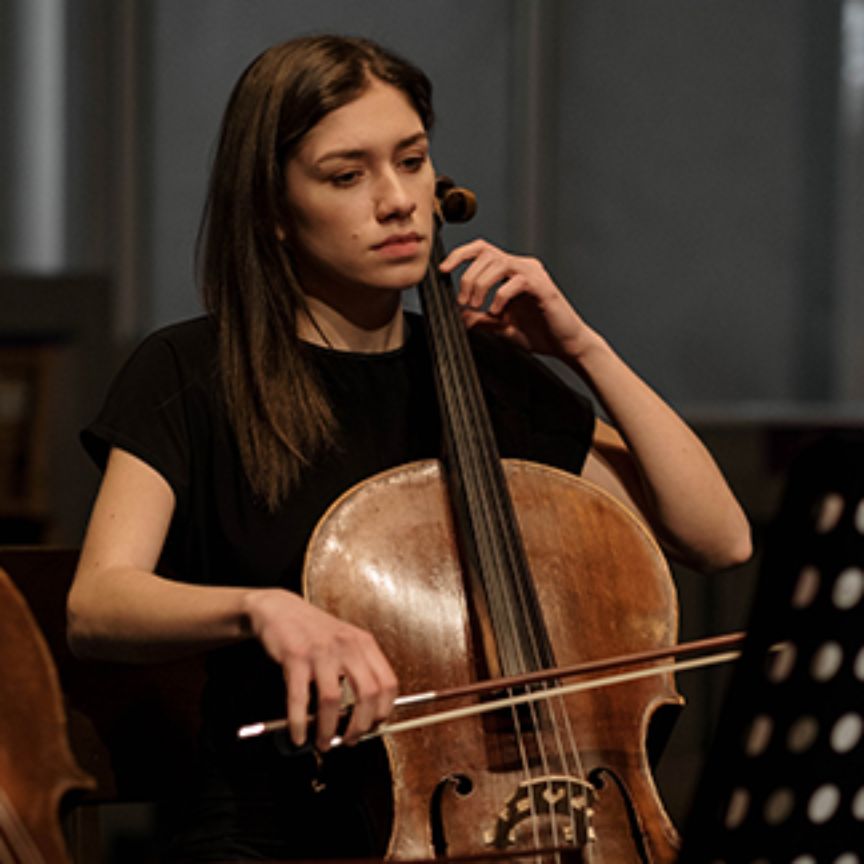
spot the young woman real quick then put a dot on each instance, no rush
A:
(225, 438)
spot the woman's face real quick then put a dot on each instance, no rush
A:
(361, 189)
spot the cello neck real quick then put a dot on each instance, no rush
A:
(497, 574)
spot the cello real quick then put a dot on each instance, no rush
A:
(37, 767)
(495, 569)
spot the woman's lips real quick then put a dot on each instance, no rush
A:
(399, 246)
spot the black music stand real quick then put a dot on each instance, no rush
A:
(784, 780)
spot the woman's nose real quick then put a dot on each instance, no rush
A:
(393, 197)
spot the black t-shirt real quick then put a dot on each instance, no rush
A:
(166, 407)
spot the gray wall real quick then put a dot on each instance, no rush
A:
(683, 154)
(681, 167)
(675, 163)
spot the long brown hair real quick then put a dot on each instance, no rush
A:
(279, 414)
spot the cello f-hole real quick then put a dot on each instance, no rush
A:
(460, 785)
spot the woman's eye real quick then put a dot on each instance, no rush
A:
(415, 162)
(345, 178)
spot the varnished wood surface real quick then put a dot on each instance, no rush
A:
(591, 551)
(130, 727)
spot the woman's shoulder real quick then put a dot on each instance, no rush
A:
(174, 359)
(162, 390)
(189, 335)
(188, 345)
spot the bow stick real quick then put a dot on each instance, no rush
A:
(731, 641)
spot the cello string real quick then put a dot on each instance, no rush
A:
(483, 473)
(474, 446)
(461, 392)
(490, 503)
(543, 718)
(554, 704)
(509, 559)
(513, 563)
(486, 497)
(526, 773)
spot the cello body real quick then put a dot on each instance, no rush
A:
(385, 558)
(37, 768)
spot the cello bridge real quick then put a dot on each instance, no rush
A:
(548, 811)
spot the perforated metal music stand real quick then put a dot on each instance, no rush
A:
(784, 781)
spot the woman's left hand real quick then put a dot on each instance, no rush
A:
(684, 495)
(525, 305)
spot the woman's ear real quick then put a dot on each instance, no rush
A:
(281, 234)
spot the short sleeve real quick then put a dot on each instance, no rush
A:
(145, 414)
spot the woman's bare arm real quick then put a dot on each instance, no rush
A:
(120, 609)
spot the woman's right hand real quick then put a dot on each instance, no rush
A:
(313, 646)
(120, 609)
